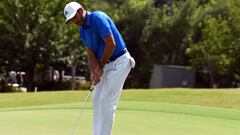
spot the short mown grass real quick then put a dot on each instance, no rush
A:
(140, 112)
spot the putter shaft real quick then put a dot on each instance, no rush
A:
(83, 108)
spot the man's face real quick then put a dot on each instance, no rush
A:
(78, 19)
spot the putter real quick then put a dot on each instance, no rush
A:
(83, 108)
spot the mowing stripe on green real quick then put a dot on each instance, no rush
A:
(215, 112)
(133, 118)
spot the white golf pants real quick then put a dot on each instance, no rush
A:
(107, 93)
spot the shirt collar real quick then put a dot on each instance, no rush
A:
(88, 18)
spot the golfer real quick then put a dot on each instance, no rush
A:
(108, 59)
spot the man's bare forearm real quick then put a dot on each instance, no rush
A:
(108, 50)
(92, 61)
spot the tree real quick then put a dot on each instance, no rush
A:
(213, 52)
(154, 36)
(31, 28)
(72, 52)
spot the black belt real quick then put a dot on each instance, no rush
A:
(117, 56)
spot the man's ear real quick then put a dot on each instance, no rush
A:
(80, 10)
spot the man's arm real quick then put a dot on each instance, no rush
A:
(96, 66)
(108, 50)
(93, 64)
(92, 60)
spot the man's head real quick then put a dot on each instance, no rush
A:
(74, 12)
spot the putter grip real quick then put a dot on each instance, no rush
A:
(92, 86)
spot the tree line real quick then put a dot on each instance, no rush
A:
(203, 35)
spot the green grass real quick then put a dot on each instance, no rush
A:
(142, 112)
(228, 98)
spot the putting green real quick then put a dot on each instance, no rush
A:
(133, 118)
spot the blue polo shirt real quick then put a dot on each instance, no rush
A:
(98, 26)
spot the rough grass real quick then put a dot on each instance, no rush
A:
(227, 98)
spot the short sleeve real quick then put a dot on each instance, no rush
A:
(103, 26)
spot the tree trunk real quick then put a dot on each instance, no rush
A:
(211, 75)
(60, 75)
(32, 63)
(73, 83)
(30, 78)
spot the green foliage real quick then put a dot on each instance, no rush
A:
(34, 37)
(215, 53)
(204, 36)
(132, 32)
(31, 28)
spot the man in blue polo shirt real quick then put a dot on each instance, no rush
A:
(108, 59)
